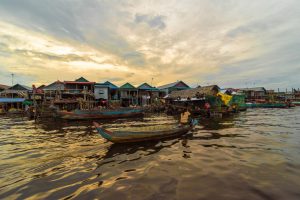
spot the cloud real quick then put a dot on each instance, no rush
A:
(152, 21)
(224, 42)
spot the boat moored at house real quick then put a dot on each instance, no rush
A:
(99, 114)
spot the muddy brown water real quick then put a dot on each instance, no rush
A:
(251, 155)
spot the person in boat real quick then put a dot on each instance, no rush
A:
(207, 108)
(185, 117)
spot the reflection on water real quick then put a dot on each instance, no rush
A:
(252, 155)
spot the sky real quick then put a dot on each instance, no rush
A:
(232, 43)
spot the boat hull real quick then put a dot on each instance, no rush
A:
(267, 105)
(107, 114)
(127, 137)
(296, 103)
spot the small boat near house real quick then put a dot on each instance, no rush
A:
(99, 114)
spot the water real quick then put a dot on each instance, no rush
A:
(252, 155)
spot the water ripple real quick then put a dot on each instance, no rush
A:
(251, 155)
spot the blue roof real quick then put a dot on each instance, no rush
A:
(110, 85)
(11, 100)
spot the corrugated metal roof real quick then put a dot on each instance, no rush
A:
(55, 85)
(19, 87)
(173, 85)
(11, 100)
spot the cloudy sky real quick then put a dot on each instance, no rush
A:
(237, 43)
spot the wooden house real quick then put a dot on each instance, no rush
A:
(256, 93)
(147, 93)
(113, 92)
(53, 90)
(78, 86)
(168, 88)
(13, 98)
(128, 95)
(16, 91)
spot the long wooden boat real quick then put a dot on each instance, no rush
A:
(138, 136)
(99, 114)
(296, 103)
(266, 105)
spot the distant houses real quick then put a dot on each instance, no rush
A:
(254, 93)
(62, 92)
(67, 94)
(12, 98)
(16, 91)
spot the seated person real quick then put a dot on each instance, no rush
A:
(185, 118)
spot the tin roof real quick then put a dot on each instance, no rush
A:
(55, 86)
(177, 84)
(19, 87)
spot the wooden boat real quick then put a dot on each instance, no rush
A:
(296, 103)
(137, 136)
(99, 114)
(266, 105)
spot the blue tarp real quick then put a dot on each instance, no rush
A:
(11, 100)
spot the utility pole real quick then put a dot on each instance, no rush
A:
(12, 79)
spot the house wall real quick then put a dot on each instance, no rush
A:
(101, 93)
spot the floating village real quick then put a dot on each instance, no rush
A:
(82, 99)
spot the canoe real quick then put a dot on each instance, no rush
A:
(138, 136)
(98, 114)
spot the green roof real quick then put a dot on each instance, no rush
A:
(146, 86)
(127, 86)
(81, 79)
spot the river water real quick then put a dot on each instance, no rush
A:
(252, 155)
